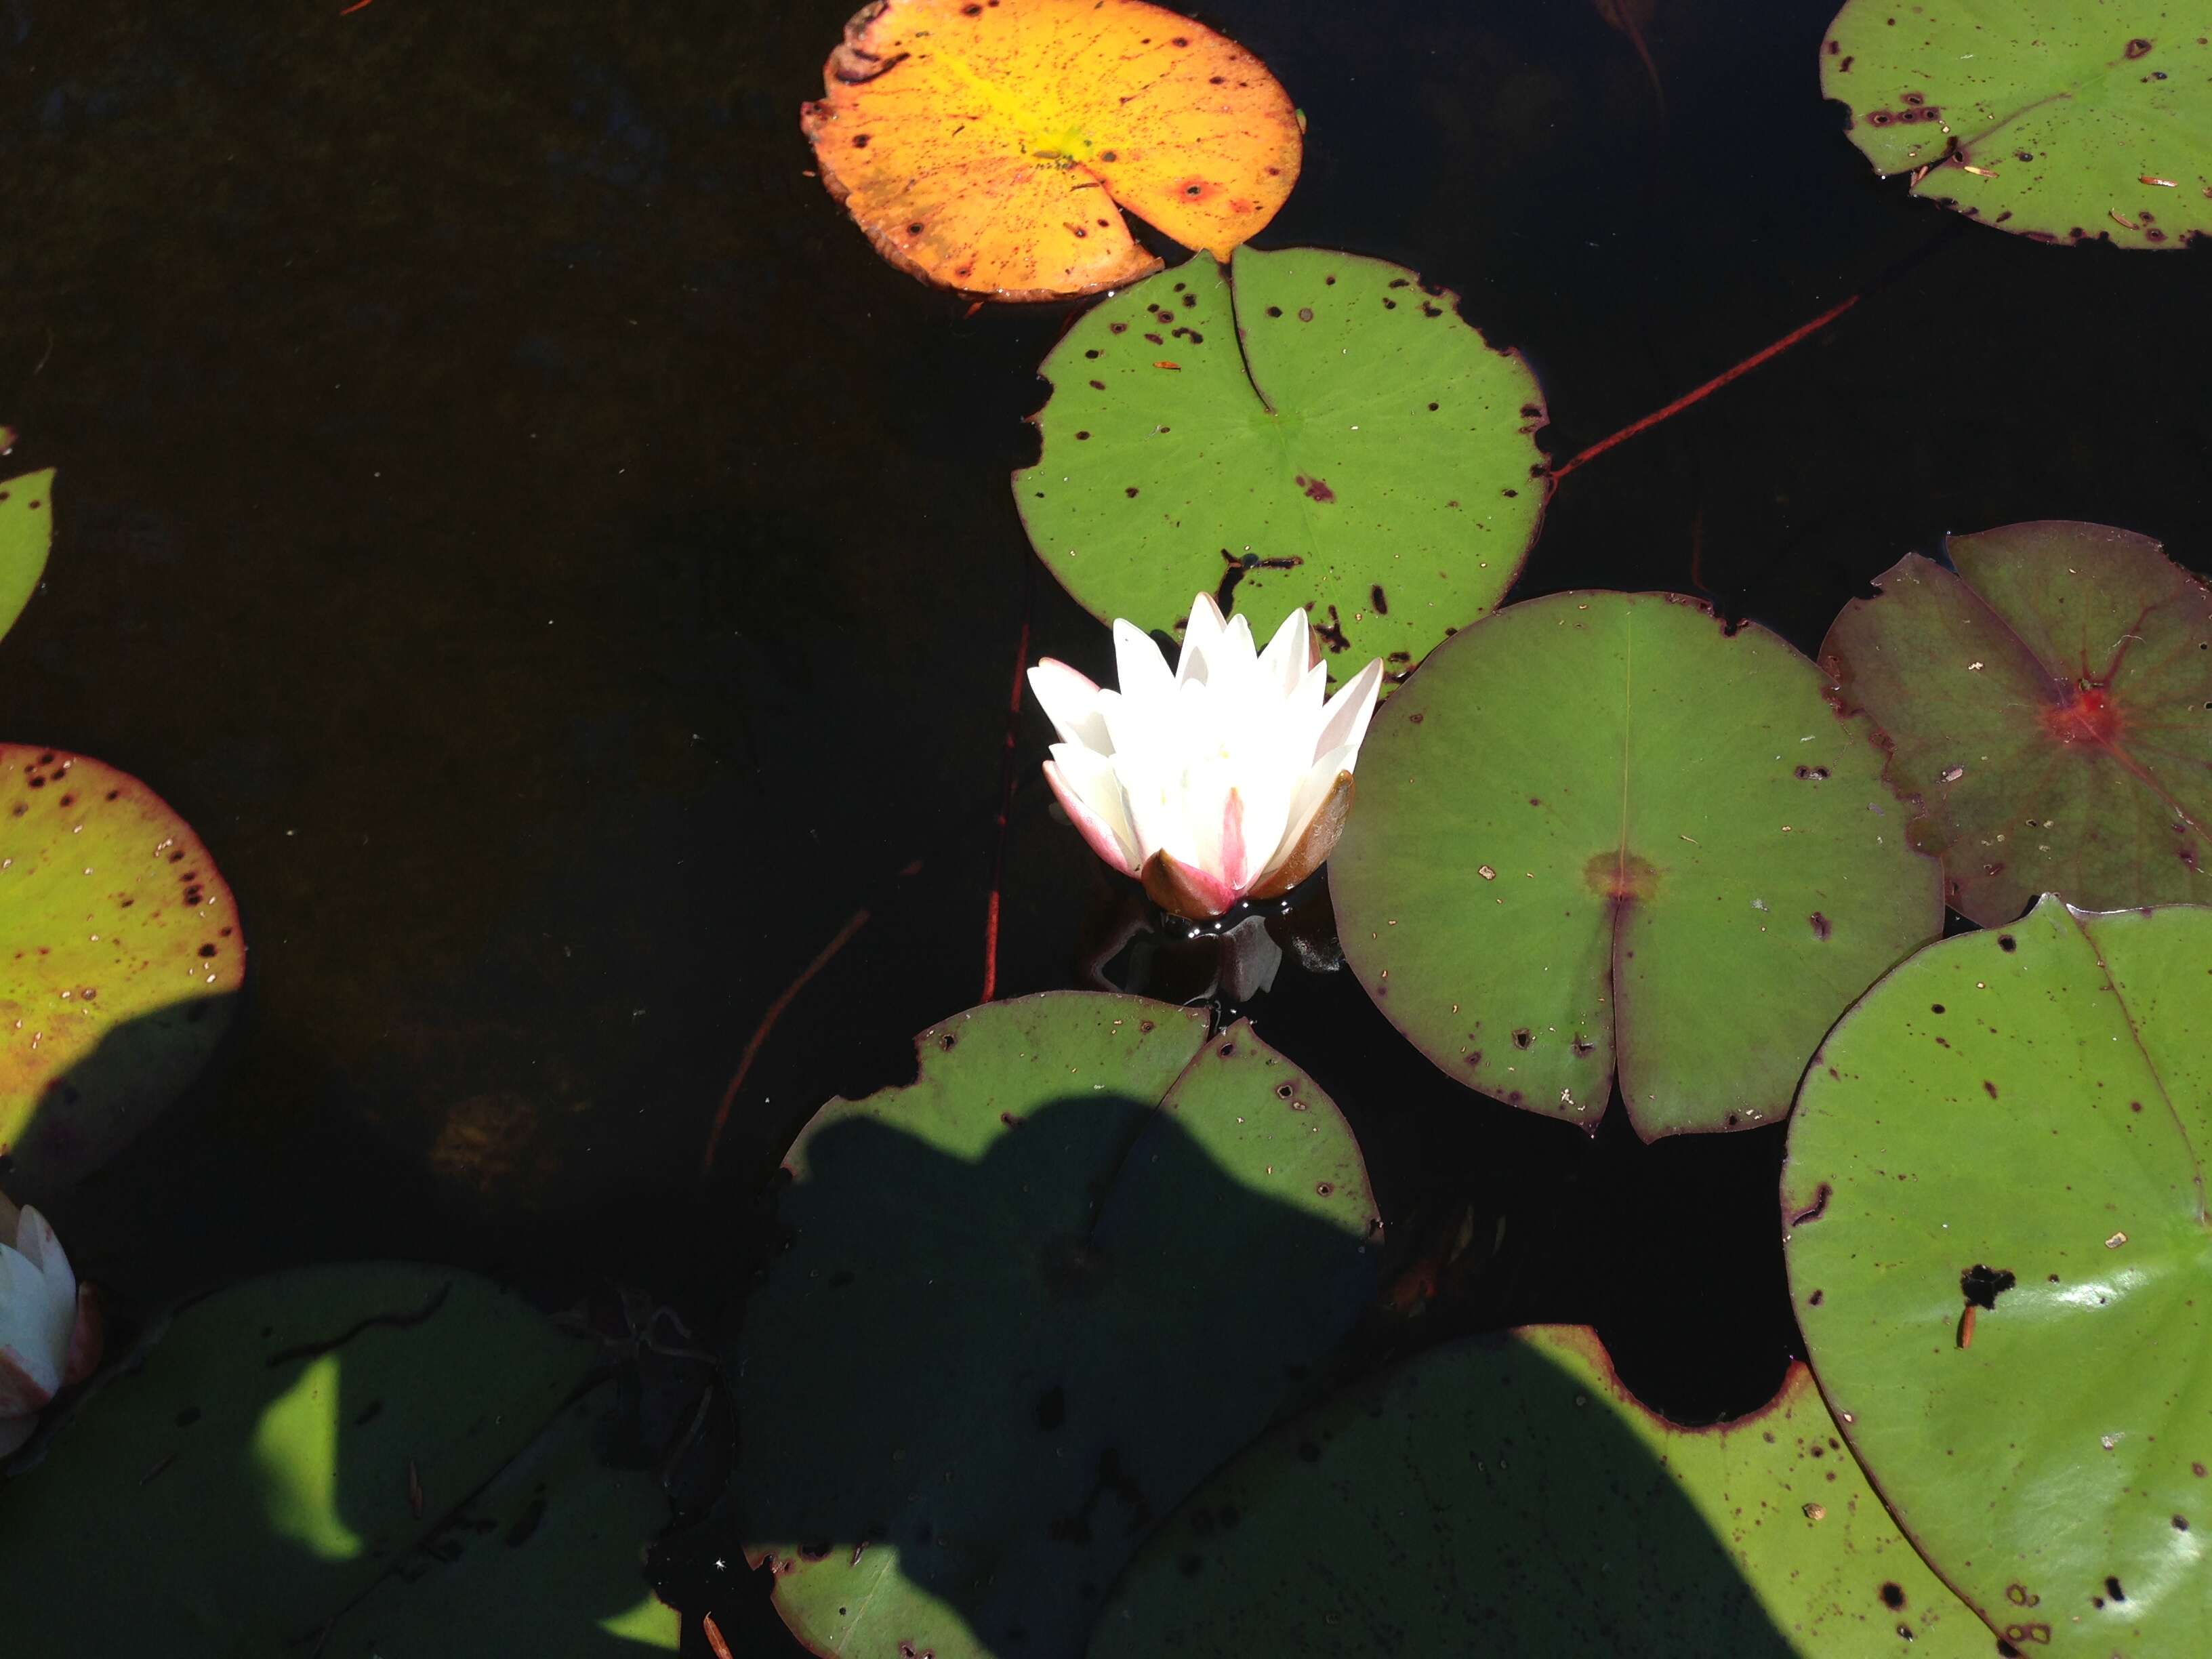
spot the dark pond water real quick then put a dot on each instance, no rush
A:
(565, 576)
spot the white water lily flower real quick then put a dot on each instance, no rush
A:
(43, 1343)
(1226, 779)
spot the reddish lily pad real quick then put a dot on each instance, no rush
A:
(2049, 704)
(120, 953)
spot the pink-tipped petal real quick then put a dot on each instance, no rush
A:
(1235, 866)
(1097, 828)
(89, 1341)
(1185, 890)
(1070, 701)
(24, 1384)
(1344, 721)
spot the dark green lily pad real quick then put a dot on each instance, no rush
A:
(1365, 454)
(270, 1453)
(1601, 830)
(543, 1561)
(122, 960)
(1030, 1300)
(2050, 118)
(2051, 707)
(26, 530)
(2000, 1255)
(1507, 1495)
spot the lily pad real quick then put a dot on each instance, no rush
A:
(1309, 428)
(26, 530)
(990, 149)
(1601, 830)
(122, 960)
(2000, 1255)
(545, 1560)
(2049, 119)
(1031, 1299)
(1507, 1495)
(270, 1453)
(2051, 707)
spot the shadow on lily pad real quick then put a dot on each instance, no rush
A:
(351, 1459)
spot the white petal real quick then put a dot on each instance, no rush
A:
(1344, 722)
(1282, 664)
(1070, 701)
(1144, 673)
(34, 1345)
(1085, 783)
(35, 1240)
(1203, 628)
(1153, 799)
(1306, 800)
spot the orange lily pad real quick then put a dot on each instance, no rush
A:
(990, 146)
(120, 957)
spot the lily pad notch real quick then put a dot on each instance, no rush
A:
(992, 148)
(1303, 427)
(1600, 833)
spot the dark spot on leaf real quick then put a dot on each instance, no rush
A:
(1523, 1038)
(1893, 1597)
(1981, 1285)
(1816, 1209)
(1821, 926)
(2007, 944)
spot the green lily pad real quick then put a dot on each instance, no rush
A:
(26, 530)
(1031, 1299)
(2000, 1255)
(123, 959)
(2051, 707)
(1600, 830)
(1304, 427)
(274, 1448)
(2050, 118)
(1507, 1495)
(545, 1560)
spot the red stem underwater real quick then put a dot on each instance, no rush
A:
(1006, 773)
(1700, 394)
